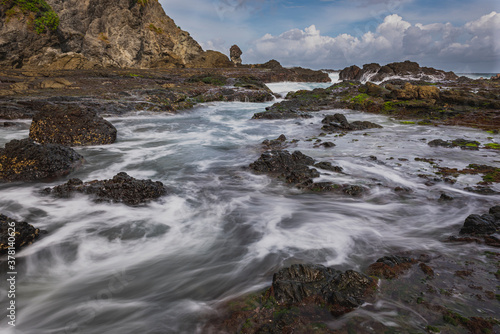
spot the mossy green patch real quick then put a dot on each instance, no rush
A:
(407, 122)
(494, 146)
(360, 98)
(44, 16)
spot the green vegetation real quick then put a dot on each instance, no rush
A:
(155, 29)
(360, 98)
(144, 2)
(216, 80)
(407, 122)
(494, 146)
(433, 329)
(41, 17)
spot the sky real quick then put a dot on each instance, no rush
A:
(460, 36)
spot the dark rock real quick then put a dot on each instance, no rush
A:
(390, 267)
(462, 143)
(445, 197)
(277, 143)
(24, 160)
(495, 211)
(480, 224)
(293, 167)
(24, 234)
(482, 190)
(338, 122)
(350, 73)
(407, 69)
(71, 125)
(328, 144)
(302, 283)
(122, 188)
(328, 166)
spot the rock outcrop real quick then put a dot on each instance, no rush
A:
(294, 169)
(122, 188)
(25, 160)
(235, 54)
(72, 126)
(73, 34)
(406, 70)
(15, 235)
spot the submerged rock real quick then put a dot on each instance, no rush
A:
(24, 234)
(71, 125)
(338, 122)
(25, 160)
(391, 266)
(122, 188)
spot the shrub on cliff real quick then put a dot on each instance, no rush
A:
(40, 15)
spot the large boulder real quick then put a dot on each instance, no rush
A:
(71, 125)
(235, 54)
(342, 292)
(15, 235)
(74, 34)
(405, 70)
(25, 160)
(122, 188)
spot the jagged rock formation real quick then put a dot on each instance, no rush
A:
(122, 188)
(407, 69)
(93, 33)
(235, 54)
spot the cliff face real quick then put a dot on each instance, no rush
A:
(97, 33)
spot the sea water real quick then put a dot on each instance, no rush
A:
(222, 230)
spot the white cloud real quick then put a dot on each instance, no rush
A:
(394, 39)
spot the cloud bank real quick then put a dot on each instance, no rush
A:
(394, 39)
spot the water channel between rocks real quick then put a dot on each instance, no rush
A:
(222, 230)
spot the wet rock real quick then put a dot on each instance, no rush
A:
(24, 234)
(482, 190)
(328, 166)
(390, 267)
(341, 291)
(122, 188)
(277, 143)
(25, 160)
(338, 122)
(71, 125)
(480, 224)
(445, 197)
(459, 142)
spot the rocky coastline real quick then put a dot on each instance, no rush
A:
(75, 75)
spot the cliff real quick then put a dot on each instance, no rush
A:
(84, 34)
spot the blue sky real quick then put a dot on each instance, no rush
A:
(463, 36)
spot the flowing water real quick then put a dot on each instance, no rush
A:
(222, 230)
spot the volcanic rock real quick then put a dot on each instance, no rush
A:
(122, 188)
(407, 70)
(25, 160)
(71, 125)
(341, 291)
(24, 234)
(338, 122)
